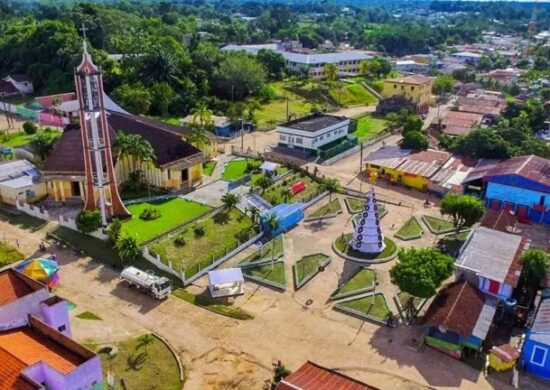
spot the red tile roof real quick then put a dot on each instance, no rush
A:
(7, 88)
(14, 285)
(10, 373)
(456, 307)
(311, 376)
(47, 101)
(31, 347)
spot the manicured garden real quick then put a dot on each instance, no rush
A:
(272, 274)
(351, 94)
(210, 304)
(372, 306)
(142, 362)
(411, 230)
(208, 167)
(237, 169)
(270, 250)
(438, 225)
(342, 245)
(9, 255)
(327, 210)
(363, 280)
(278, 193)
(308, 266)
(173, 212)
(369, 127)
(196, 245)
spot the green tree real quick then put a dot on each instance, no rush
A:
(88, 221)
(136, 98)
(127, 248)
(463, 210)
(264, 183)
(330, 72)
(43, 143)
(412, 123)
(239, 75)
(331, 185)
(272, 222)
(230, 200)
(114, 229)
(420, 272)
(536, 263)
(273, 62)
(198, 136)
(145, 341)
(286, 193)
(162, 97)
(254, 213)
(30, 128)
(415, 140)
(443, 85)
(134, 147)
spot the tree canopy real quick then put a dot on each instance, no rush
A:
(463, 210)
(536, 263)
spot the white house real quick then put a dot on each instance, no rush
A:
(490, 259)
(21, 83)
(312, 132)
(466, 56)
(226, 282)
(19, 180)
(411, 66)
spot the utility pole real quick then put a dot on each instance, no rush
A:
(8, 118)
(360, 175)
(287, 113)
(242, 135)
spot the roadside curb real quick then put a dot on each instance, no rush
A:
(173, 352)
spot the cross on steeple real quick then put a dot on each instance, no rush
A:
(84, 44)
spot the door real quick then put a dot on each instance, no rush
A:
(494, 287)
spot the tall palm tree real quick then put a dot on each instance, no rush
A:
(198, 136)
(331, 185)
(202, 114)
(273, 223)
(230, 200)
(254, 212)
(330, 71)
(135, 148)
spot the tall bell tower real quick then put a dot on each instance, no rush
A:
(101, 187)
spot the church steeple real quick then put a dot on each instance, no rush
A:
(101, 186)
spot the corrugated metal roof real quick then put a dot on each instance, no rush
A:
(425, 163)
(13, 169)
(540, 331)
(387, 156)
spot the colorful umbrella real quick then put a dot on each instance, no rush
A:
(43, 270)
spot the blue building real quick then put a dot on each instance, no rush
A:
(288, 215)
(519, 184)
(536, 349)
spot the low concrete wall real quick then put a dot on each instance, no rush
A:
(315, 200)
(71, 224)
(342, 155)
(33, 211)
(157, 262)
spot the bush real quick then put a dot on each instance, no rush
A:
(30, 128)
(88, 221)
(149, 214)
(199, 231)
(180, 240)
(127, 248)
(113, 230)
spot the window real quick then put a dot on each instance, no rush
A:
(62, 328)
(412, 88)
(282, 137)
(299, 140)
(394, 86)
(538, 356)
(542, 199)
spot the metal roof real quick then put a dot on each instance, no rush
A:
(540, 331)
(388, 156)
(14, 169)
(223, 276)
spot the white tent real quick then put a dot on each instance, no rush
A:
(269, 168)
(225, 282)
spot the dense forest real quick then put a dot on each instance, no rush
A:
(170, 51)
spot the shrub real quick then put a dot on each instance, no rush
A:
(180, 240)
(199, 231)
(113, 230)
(88, 221)
(30, 128)
(149, 214)
(127, 248)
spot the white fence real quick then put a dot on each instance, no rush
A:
(157, 262)
(71, 224)
(33, 211)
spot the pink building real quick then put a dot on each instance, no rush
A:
(36, 349)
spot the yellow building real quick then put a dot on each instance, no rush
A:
(416, 89)
(178, 165)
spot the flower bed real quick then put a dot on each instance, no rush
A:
(361, 282)
(342, 248)
(411, 230)
(372, 307)
(307, 268)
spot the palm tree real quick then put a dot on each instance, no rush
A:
(202, 114)
(272, 222)
(230, 200)
(254, 212)
(331, 185)
(264, 183)
(330, 71)
(286, 193)
(127, 248)
(198, 136)
(145, 341)
(133, 146)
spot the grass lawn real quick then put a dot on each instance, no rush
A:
(103, 252)
(142, 367)
(454, 243)
(226, 310)
(369, 127)
(270, 272)
(236, 169)
(274, 194)
(221, 231)
(23, 221)
(88, 315)
(308, 265)
(208, 167)
(329, 209)
(373, 306)
(9, 255)
(404, 297)
(272, 248)
(14, 140)
(364, 278)
(346, 94)
(438, 224)
(342, 244)
(356, 205)
(410, 230)
(173, 212)
(142, 192)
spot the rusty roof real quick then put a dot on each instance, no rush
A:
(31, 347)
(10, 373)
(387, 156)
(531, 167)
(48, 101)
(457, 123)
(424, 163)
(7, 88)
(14, 285)
(457, 307)
(311, 376)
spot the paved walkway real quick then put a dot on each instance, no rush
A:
(221, 160)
